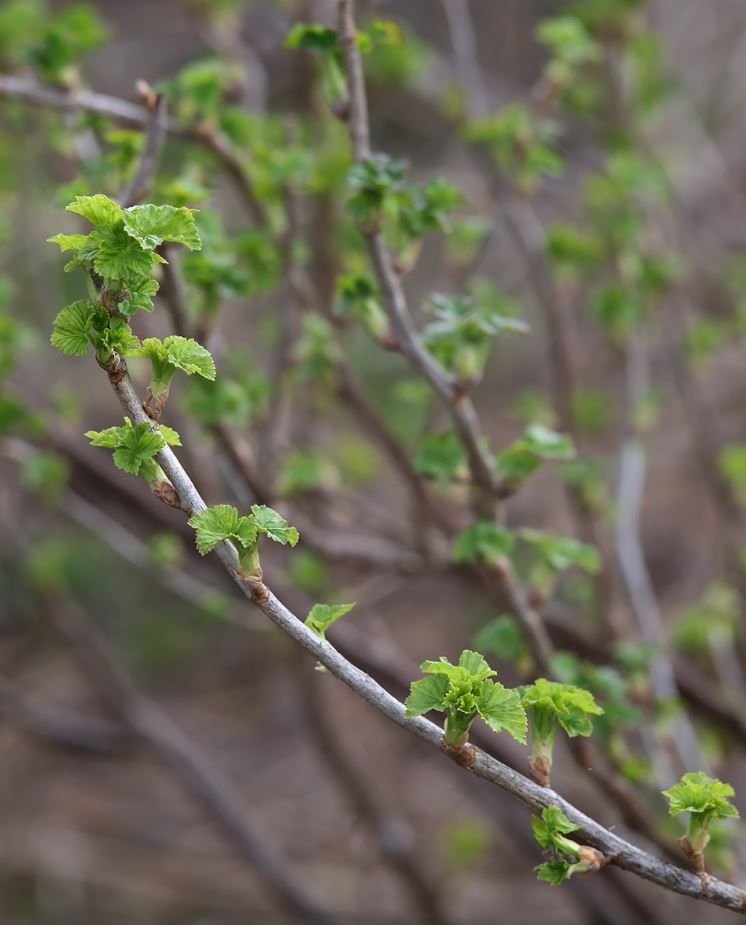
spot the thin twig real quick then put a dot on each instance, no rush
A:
(155, 134)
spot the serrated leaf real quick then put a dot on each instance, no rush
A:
(321, 616)
(222, 522)
(553, 872)
(107, 438)
(98, 209)
(71, 328)
(69, 242)
(312, 37)
(137, 445)
(187, 355)
(552, 822)
(170, 436)
(151, 225)
(426, 694)
(501, 709)
(475, 664)
(118, 256)
(139, 297)
(570, 706)
(273, 525)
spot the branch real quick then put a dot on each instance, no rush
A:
(460, 407)
(617, 850)
(155, 133)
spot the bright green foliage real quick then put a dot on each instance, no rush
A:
(706, 799)
(463, 692)
(136, 446)
(175, 353)
(459, 337)
(441, 457)
(483, 542)
(271, 524)
(572, 48)
(321, 616)
(72, 328)
(358, 298)
(151, 225)
(551, 831)
(552, 706)
(521, 143)
(222, 522)
(523, 457)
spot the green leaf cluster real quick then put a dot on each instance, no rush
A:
(460, 334)
(522, 143)
(357, 297)
(171, 354)
(135, 447)
(223, 523)
(517, 462)
(463, 692)
(706, 799)
(441, 457)
(552, 706)
(550, 831)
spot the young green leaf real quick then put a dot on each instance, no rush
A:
(484, 541)
(98, 209)
(441, 457)
(222, 522)
(706, 796)
(463, 692)
(151, 225)
(273, 525)
(321, 616)
(135, 446)
(72, 327)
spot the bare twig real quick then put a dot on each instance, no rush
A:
(155, 133)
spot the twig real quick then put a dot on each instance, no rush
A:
(464, 42)
(155, 133)
(460, 407)
(190, 765)
(619, 851)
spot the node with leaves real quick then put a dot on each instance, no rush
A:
(464, 692)
(565, 857)
(707, 800)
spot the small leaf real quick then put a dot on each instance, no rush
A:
(71, 328)
(484, 541)
(151, 225)
(170, 436)
(426, 694)
(137, 445)
(322, 616)
(501, 709)
(475, 664)
(117, 256)
(69, 242)
(553, 872)
(190, 357)
(222, 522)
(98, 209)
(273, 525)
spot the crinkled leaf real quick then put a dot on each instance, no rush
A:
(572, 707)
(151, 225)
(441, 457)
(426, 694)
(273, 525)
(98, 209)
(137, 445)
(321, 616)
(118, 256)
(698, 793)
(552, 822)
(139, 297)
(69, 242)
(108, 438)
(475, 664)
(501, 708)
(222, 522)
(554, 872)
(71, 328)
(187, 355)
(170, 436)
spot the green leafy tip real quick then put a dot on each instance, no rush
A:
(321, 616)
(522, 458)
(175, 353)
(565, 856)
(72, 328)
(223, 522)
(463, 692)
(135, 446)
(705, 796)
(569, 706)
